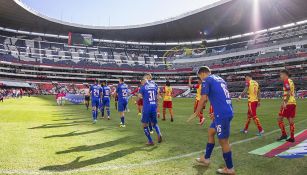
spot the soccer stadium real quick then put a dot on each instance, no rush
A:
(219, 88)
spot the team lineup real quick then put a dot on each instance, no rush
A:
(210, 89)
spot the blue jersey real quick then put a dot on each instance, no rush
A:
(216, 89)
(106, 92)
(95, 92)
(149, 92)
(122, 92)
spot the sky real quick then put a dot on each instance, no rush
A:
(114, 12)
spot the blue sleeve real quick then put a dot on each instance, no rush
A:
(117, 89)
(141, 91)
(205, 88)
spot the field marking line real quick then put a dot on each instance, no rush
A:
(129, 166)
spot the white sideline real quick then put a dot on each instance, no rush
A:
(112, 167)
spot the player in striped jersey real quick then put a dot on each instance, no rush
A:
(167, 100)
(288, 107)
(197, 98)
(253, 92)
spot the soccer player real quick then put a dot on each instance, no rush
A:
(122, 93)
(87, 97)
(139, 101)
(167, 100)
(197, 98)
(253, 92)
(288, 107)
(149, 93)
(105, 101)
(215, 89)
(95, 92)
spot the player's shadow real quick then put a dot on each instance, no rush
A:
(97, 146)
(59, 125)
(74, 133)
(68, 119)
(78, 163)
(200, 169)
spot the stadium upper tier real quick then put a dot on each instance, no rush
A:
(225, 18)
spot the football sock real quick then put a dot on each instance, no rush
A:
(102, 111)
(147, 134)
(247, 124)
(228, 159)
(209, 149)
(96, 114)
(157, 128)
(93, 114)
(122, 119)
(292, 128)
(258, 124)
(282, 128)
(108, 111)
(150, 126)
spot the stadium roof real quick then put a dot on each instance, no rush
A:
(221, 19)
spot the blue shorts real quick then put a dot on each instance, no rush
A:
(149, 114)
(221, 126)
(105, 102)
(95, 103)
(122, 105)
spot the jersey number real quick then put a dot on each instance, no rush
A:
(152, 96)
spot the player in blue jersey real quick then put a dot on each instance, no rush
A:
(95, 91)
(215, 89)
(149, 93)
(105, 100)
(122, 92)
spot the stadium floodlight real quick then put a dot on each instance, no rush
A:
(302, 22)
(274, 28)
(288, 25)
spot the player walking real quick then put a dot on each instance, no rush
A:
(197, 98)
(139, 101)
(105, 101)
(95, 91)
(87, 97)
(122, 93)
(167, 100)
(253, 92)
(215, 88)
(149, 93)
(288, 107)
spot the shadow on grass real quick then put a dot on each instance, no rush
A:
(200, 169)
(68, 119)
(59, 125)
(75, 133)
(78, 163)
(97, 146)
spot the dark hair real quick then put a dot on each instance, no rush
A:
(248, 75)
(121, 79)
(168, 83)
(285, 71)
(204, 69)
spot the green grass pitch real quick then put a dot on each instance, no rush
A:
(38, 137)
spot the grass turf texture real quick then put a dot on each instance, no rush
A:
(38, 137)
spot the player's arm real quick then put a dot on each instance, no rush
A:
(259, 94)
(244, 92)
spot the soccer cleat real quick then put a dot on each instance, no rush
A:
(244, 131)
(163, 119)
(225, 171)
(151, 132)
(292, 140)
(94, 121)
(283, 137)
(139, 114)
(202, 161)
(102, 117)
(172, 119)
(260, 133)
(150, 144)
(160, 139)
(109, 118)
(122, 126)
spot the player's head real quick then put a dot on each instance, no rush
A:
(147, 76)
(121, 80)
(199, 81)
(248, 77)
(168, 84)
(203, 72)
(142, 82)
(284, 74)
(104, 83)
